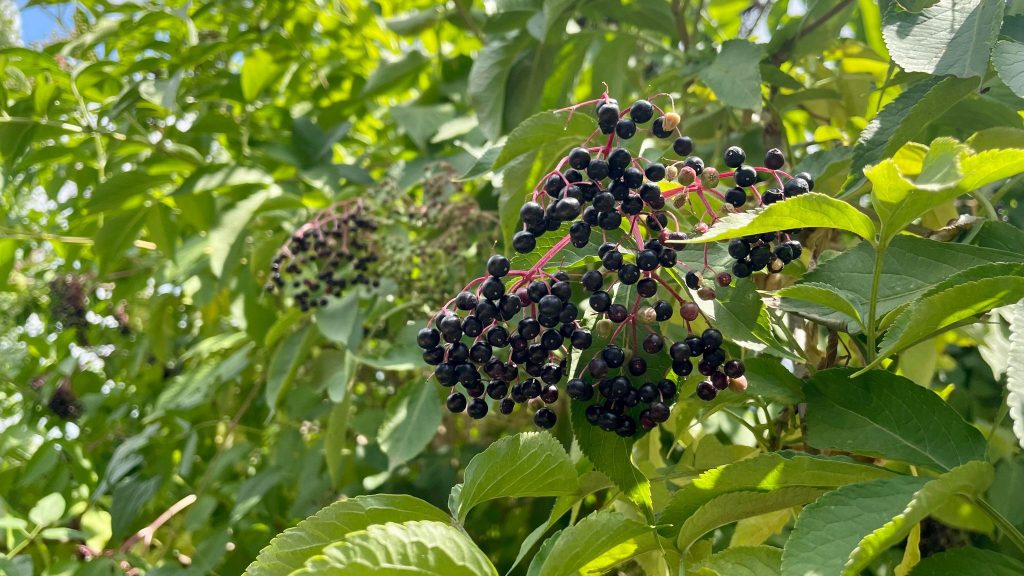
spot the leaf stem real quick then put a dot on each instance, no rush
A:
(1009, 530)
(870, 325)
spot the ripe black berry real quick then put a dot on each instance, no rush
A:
(683, 146)
(600, 301)
(734, 369)
(617, 313)
(738, 249)
(795, 187)
(492, 288)
(477, 408)
(498, 265)
(641, 111)
(633, 177)
(658, 129)
(653, 344)
(629, 274)
(497, 336)
(741, 269)
(625, 128)
(579, 158)
(637, 366)
(695, 163)
(736, 197)
(774, 159)
(456, 402)
(647, 287)
(597, 170)
(662, 310)
(771, 196)
(745, 176)
(466, 301)
(612, 260)
(506, 406)
(524, 242)
(626, 427)
(655, 172)
(618, 160)
(428, 338)
(706, 391)
(581, 339)
(734, 157)
(545, 418)
(806, 177)
(692, 280)
(592, 280)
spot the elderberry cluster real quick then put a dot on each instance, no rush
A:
(772, 250)
(331, 252)
(538, 346)
(628, 208)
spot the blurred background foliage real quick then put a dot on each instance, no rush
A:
(156, 157)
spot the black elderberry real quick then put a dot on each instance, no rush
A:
(692, 280)
(734, 369)
(771, 196)
(590, 216)
(619, 189)
(655, 172)
(738, 249)
(581, 339)
(625, 128)
(647, 287)
(633, 177)
(679, 351)
(569, 313)
(597, 170)
(610, 220)
(579, 158)
(618, 160)
(683, 146)
(433, 356)
(647, 260)
(600, 301)
(626, 427)
(658, 129)
(706, 368)
(795, 248)
(428, 338)
(695, 163)
(662, 310)
(497, 389)
(633, 204)
(706, 391)
(668, 258)
(506, 406)
(759, 257)
(784, 253)
(734, 157)
(545, 418)
(667, 388)
(492, 288)
(617, 313)
(714, 356)
(795, 187)
(641, 111)
(613, 356)
(523, 242)
(562, 289)
(477, 408)
(498, 265)
(745, 176)
(456, 402)
(629, 274)
(712, 338)
(466, 301)
(806, 177)
(659, 412)
(604, 201)
(774, 159)
(592, 280)
(653, 343)
(608, 421)
(682, 367)
(497, 336)
(723, 279)
(736, 197)
(612, 260)
(480, 352)
(637, 366)
(551, 340)
(696, 345)
(475, 388)
(466, 374)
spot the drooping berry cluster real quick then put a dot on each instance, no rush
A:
(331, 252)
(772, 250)
(540, 316)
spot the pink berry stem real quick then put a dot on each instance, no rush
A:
(707, 205)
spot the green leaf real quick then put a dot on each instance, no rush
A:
(48, 510)
(1015, 370)
(116, 236)
(597, 542)
(990, 166)
(765, 473)
(285, 363)
(824, 295)
(951, 37)
(223, 238)
(531, 464)
(734, 506)
(258, 71)
(812, 210)
(611, 455)
(1008, 59)
(410, 422)
(735, 75)
(999, 236)
(289, 550)
(742, 561)
(883, 415)
(8, 247)
(961, 298)
(969, 561)
(828, 531)
(903, 119)
(488, 79)
(342, 321)
(557, 129)
(769, 379)
(970, 479)
(911, 266)
(740, 314)
(394, 76)
(419, 547)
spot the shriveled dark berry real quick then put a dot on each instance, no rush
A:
(506, 406)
